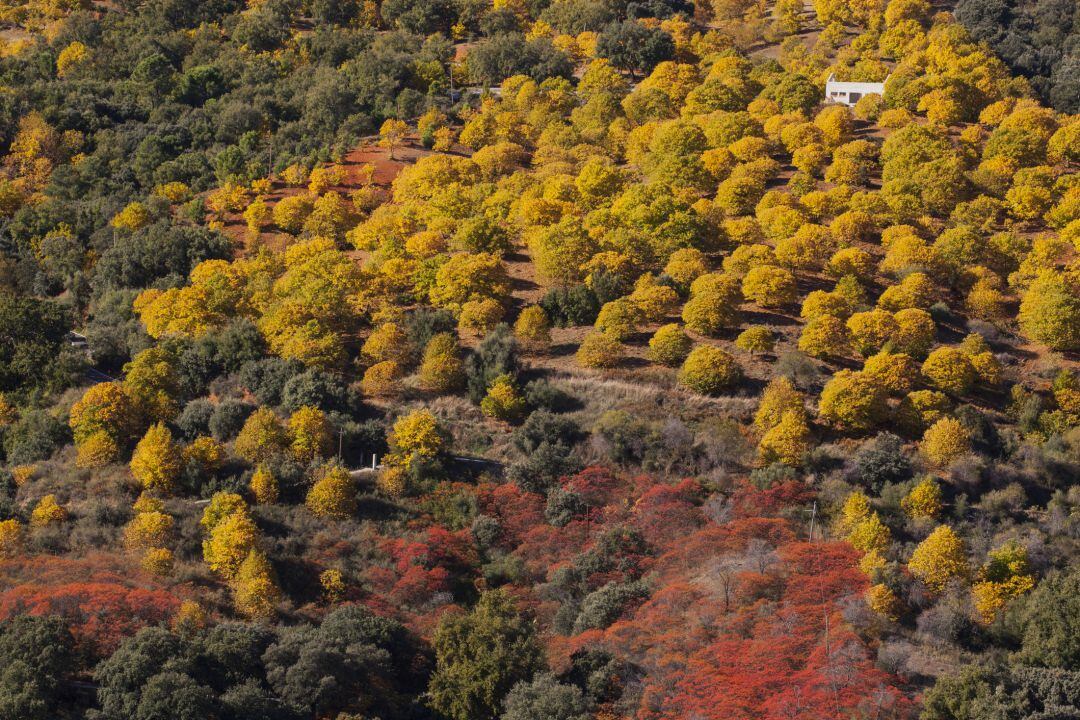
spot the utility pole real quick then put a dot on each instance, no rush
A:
(340, 434)
(813, 517)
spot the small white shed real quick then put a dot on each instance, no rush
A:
(849, 93)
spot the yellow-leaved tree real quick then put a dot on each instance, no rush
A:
(949, 369)
(158, 561)
(669, 345)
(779, 398)
(47, 512)
(104, 420)
(263, 486)
(1050, 309)
(870, 535)
(152, 382)
(333, 495)
(855, 509)
(255, 590)
(415, 436)
(230, 533)
(939, 559)
(442, 369)
(156, 462)
(825, 336)
(262, 437)
(392, 135)
(924, 501)
(884, 601)
(150, 528)
(333, 585)
(788, 441)
(503, 400)
(945, 441)
(599, 350)
(852, 401)
(756, 339)
(12, 538)
(71, 59)
(205, 454)
(709, 370)
(312, 436)
(533, 328)
(1006, 574)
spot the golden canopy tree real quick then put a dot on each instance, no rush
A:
(255, 590)
(311, 433)
(855, 509)
(323, 178)
(313, 304)
(291, 212)
(1050, 309)
(915, 330)
(261, 437)
(217, 290)
(599, 350)
(158, 561)
(204, 454)
(870, 330)
(156, 462)
(106, 415)
(71, 59)
(897, 372)
(151, 380)
(939, 559)
(480, 316)
(12, 538)
(669, 345)
(923, 501)
(533, 328)
(769, 286)
(416, 435)
(133, 217)
(619, 318)
(503, 400)
(709, 370)
(713, 304)
(561, 250)
(392, 135)
(442, 369)
(870, 535)
(228, 542)
(48, 512)
(263, 485)
(469, 276)
(852, 401)
(333, 495)
(945, 441)
(1006, 574)
(825, 336)
(950, 370)
(387, 342)
(221, 506)
(780, 397)
(149, 528)
(788, 441)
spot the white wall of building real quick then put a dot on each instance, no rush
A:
(849, 93)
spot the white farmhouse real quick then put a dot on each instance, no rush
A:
(849, 93)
